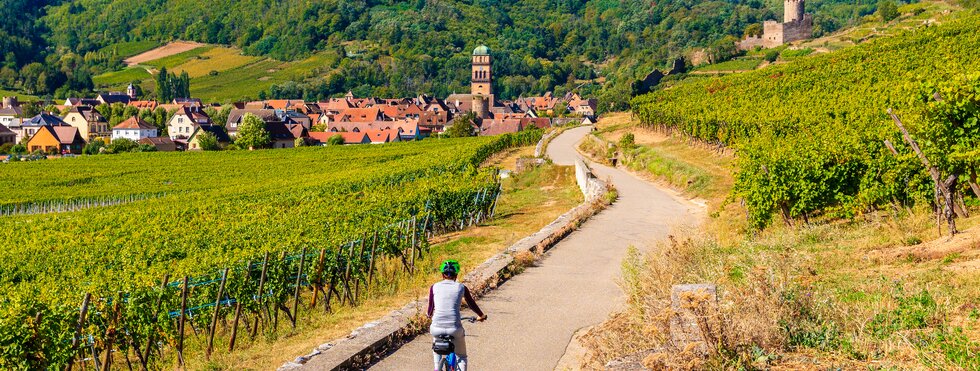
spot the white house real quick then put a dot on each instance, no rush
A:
(134, 129)
(185, 122)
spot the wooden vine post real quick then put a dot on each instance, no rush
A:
(374, 246)
(333, 280)
(944, 187)
(318, 278)
(299, 278)
(238, 311)
(111, 331)
(360, 269)
(78, 328)
(258, 294)
(214, 316)
(346, 278)
(180, 323)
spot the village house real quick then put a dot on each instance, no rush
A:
(235, 117)
(144, 104)
(162, 144)
(192, 143)
(12, 119)
(349, 138)
(56, 139)
(113, 97)
(134, 129)
(284, 135)
(90, 123)
(382, 136)
(498, 127)
(30, 127)
(72, 102)
(186, 121)
(7, 136)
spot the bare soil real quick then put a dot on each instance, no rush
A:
(172, 48)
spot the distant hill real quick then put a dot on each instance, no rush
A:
(396, 47)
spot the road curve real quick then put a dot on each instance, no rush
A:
(533, 316)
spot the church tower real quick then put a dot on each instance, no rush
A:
(482, 76)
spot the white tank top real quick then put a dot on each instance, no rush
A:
(446, 298)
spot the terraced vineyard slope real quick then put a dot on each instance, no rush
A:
(811, 133)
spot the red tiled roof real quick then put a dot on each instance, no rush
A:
(134, 123)
(360, 114)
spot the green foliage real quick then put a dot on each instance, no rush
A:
(93, 147)
(627, 142)
(948, 129)
(121, 145)
(18, 149)
(170, 86)
(912, 312)
(252, 133)
(335, 140)
(462, 126)
(810, 134)
(887, 10)
(207, 141)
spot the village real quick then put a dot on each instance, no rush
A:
(288, 123)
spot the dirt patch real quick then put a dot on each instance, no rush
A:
(172, 48)
(963, 251)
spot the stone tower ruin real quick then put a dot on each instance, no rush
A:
(796, 25)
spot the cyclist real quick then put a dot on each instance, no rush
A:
(444, 299)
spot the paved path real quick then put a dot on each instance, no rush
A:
(533, 316)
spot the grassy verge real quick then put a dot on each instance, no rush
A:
(530, 201)
(862, 293)
(20, 96)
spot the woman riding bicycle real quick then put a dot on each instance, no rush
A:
(444, 300)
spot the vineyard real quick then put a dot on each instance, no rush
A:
(115, 261)
(813, 136)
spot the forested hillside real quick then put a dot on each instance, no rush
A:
(811, 135)
(410, 47)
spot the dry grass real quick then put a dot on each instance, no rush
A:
(218, 59)
(863, 293)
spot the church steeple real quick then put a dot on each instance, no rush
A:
(482, 77)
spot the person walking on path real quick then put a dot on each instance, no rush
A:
(445, 298)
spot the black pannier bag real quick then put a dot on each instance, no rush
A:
(443, 345)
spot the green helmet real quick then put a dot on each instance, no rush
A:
(450, 267)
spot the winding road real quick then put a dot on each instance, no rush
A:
(533, 316)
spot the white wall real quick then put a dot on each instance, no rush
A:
(133, 134)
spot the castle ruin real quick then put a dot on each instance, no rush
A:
(796, 25)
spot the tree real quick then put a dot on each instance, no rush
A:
(335, 140)
(887, 10)
(462, 126)
(754, 29)
(94, 147)
(252, 133)
(163, 88)
(208, 142)
(121, 145)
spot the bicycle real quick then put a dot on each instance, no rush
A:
(443, 345)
